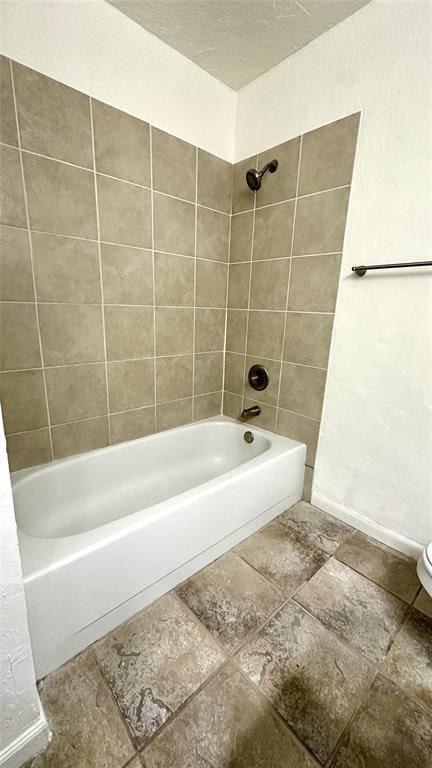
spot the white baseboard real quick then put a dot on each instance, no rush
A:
(24, 747)
(369, 527)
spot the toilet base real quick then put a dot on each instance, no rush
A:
(424, 572)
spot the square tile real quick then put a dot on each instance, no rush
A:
(354, 608)
(390, 569)
(282, 184)
(174, 280)
(129, 332)
(127, 275)
(174, 165)
(282, 556)
(243, 199)
(208, 372)
(209, 330)
(211, 284)
(61, 198)
(423, 603)
(300, 428)
(154, 663)
(54, 119)
(132, 424)
(236, 330)
(302, 389)
(76, 392)
(328, 155)
(270, 394)
(16, 280)
(230, 599)
(265, 334)
(227, 724)
(66, 270)
(238, 286)
(174, 225)
(408, 663)
(313, 680)
(213, 231)
(12, 209)
(125, 213)
(231, 405)
(28, 449)
(71, 333)
(131, 384)
(206, 406)
(234, 372)
(19, 340)
(170, 415)
(316, 527)
(273, 231)
(8, 129)
(269, 284)
(314, 283)
(22, 395)
(320, 222)
(214, 182)
(389, 730)
(122, 144)
(80, 437)
(241, 237)
(307, 338)
(86, 726)
(174, 330)
(173, 378)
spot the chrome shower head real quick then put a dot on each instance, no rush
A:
(254, 177)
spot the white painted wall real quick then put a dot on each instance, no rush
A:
(91, 46)
(374, 463)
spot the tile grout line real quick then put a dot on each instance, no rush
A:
(153, 277)
(100, 265)
(249, 295)
(226, 306)
(30, 246)
(194, 284)
(291, 199)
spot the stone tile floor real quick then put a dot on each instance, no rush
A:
(307, 645)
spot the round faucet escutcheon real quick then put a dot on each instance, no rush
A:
(258, 377)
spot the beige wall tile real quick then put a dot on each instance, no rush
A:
(213, 230)
(122, 144)
(206, 406)
(273, 231)
(282, 184)
(266, 419)
(127, 275)
(11, 189)
(302, 389)
(66, 270)
(174, 225)
(53, 119)
(125, 213)
(19, 340)
(241, 237)
(129, 332)
(211, 284)
(314, 283)
(209, 330)
(236, 330)
(61, 198)
(174, 330)
(234, 372)
(71, 333)
(328, 155)
(269, 285)
(8, 130)
(243, 198)
(28, 449)
(23, 401)
(16, 281)
(270, 394)
(80, 436)
(307, 338)
(170, 415)
(214, 181)
(173, 378)
(76, 392)
(131, 384)
(265, 334)
(299, 428)
(132, 424)
(174, 280)
(232, 405)
(320, 222)
(174, 165)
(307, 487)
(208, 372)
(238, 286)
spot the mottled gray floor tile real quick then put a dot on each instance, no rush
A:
(317, 528)
(155, 662)
(423, 603)
(227, 725)
(390, 569)
(230, 598)
(283, 556)
(390, 731)
(86, 726)
(409, 662)
(312, 679)
(353, 607)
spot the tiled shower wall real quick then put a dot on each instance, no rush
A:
(114, 250)
(285, 256)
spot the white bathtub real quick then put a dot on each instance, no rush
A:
(107, 532)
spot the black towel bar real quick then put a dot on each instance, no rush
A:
(360, 271)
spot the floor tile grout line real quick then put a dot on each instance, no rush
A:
(91, 651)
(31, 255)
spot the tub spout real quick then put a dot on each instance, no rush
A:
(249, 413)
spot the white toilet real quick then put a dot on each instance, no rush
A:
(424, 569)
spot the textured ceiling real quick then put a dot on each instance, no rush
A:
(237, 40)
